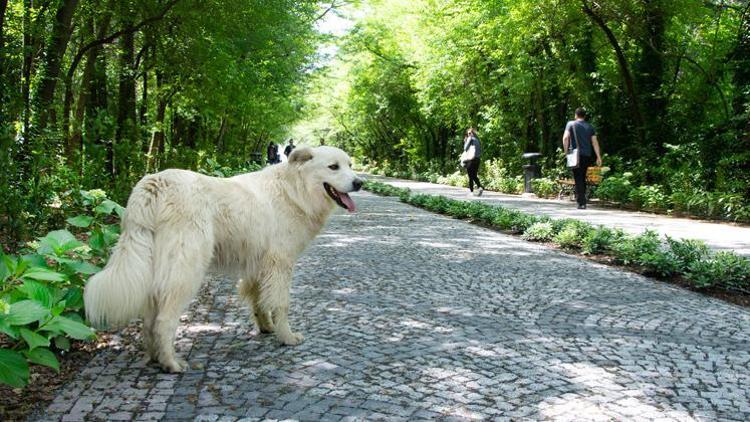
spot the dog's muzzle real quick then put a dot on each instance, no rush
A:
(342, 199)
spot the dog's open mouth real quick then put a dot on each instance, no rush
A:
(341, 198)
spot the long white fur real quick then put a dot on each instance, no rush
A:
(178, 223)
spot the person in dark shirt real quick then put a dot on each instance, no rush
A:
(289, 148)
(470, 158)
(582, 135)
(272, 153)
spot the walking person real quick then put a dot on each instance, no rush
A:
(272, 153)
(470, 159)
(581, 134)
(289, 148)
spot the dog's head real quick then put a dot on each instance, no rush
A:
(328, 169)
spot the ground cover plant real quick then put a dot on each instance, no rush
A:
(648, 252)
(41, 287)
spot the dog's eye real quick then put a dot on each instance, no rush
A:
(334, 167)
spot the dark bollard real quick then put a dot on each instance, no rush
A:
(530, 171)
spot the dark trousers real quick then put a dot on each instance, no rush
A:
(579, 175)
(472, 167)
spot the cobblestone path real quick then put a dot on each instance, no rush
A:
(408, 315)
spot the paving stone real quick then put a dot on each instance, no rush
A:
(412, 316)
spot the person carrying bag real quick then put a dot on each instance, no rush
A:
(579, 156)
(470, 160)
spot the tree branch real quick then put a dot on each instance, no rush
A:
(112, 37)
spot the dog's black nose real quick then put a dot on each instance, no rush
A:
(357, 184)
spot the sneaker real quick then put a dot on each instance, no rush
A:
(481, 191)
(582, 207)
(475, 193)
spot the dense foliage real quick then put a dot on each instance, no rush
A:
(96, 93)
(41, 296)
(667, 84)
(690, 259)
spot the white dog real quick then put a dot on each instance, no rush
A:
(178, 223)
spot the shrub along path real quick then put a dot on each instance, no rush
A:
(409, 315)
(719, 236)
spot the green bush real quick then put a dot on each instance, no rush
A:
(726, 270)
(571, 234)
(712, 204)
(600, 240)
(544, 187)
(540, 232)
(456, 179)
(41, 300)
(615, 188)
(212, 168)
(687, 251)
(648, 196)
(520, 221)
(647, 251)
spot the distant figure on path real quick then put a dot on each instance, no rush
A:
(470, 158)
(289, 148)
(272, 153)
(583, 136)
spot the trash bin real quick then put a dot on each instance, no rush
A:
(531, 171)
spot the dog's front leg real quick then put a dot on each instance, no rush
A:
(275, 297)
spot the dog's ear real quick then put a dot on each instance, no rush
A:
(300, 155)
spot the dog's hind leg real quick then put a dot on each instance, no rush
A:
(274, 296)
(181, 265)
(250, 291)
(149, 319)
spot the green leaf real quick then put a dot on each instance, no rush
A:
(119, 210)
(74, 298)
(83, 267)
(6, 328)
(59, 308)
(111, 234)
(14, 370)
(96, 242)
(43, 356)
(26, 312)
(33, 339)
(58, 241)
(33, 260)
(82, 221)
(62, 343)
(72, 328)
(5, 266)
(106, 207)
(43, 274)
(35, 290)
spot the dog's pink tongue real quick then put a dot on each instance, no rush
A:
(344, 197)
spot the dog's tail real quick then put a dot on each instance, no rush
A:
(119, 292)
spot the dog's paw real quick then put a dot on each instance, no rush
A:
(292, 339)
(174, 365)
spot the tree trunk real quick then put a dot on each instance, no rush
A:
(96, 105)
(50, 70)
(4, 85)
(3, 8)
(28, 58)
(75, 141)
(650, 75)
(126, 103)
(220, 136)
(156, 146)
(143, 109)
(624, 69)
(741, 101)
